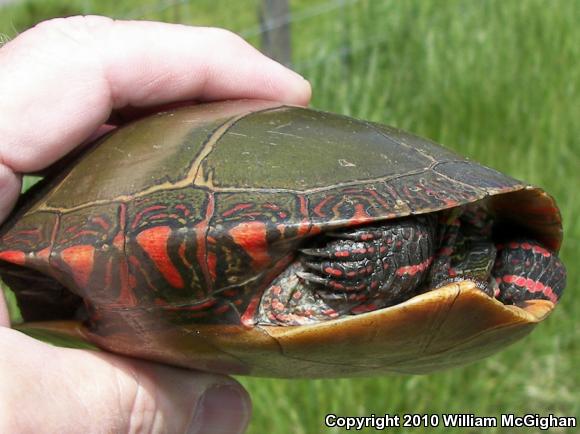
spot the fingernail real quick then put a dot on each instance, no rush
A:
(222, 409)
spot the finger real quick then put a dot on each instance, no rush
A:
(54, 389)
(60, 81)
(4, 315)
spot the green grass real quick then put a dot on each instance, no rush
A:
(495, 80)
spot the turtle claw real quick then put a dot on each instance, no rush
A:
(316, 266)
(319, 253)
(337, 234)
(312, 278)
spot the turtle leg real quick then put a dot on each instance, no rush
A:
(351, 272)
(512, 272)
(525, 270)
(373, 266)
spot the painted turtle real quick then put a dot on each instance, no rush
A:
(248, 237)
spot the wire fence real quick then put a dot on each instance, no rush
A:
(302, 14)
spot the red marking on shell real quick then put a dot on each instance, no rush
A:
(379, 198)
(44, 254)
(13, 256)
(165, 216)
(222, 309)
(181, 253)
(183, 209)
(318, 208)
(80, 259)
(117, 260)
(305, 226)
(139, 215)
(201, 230)
(360, 216)
(247, 318)
(251, 236)
(212, 265)
(72, 229)
(237, 208)
(101, 222)
(25, 232)
(154, 242)
(132, 281)
(119, 241)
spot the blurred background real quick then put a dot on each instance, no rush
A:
(496, 80)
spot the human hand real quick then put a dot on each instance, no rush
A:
(61, 84)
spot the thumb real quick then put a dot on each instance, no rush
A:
(49, 389)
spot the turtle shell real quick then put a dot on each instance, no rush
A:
(169, 229)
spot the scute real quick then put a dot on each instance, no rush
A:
(298, 149)
(157, 151)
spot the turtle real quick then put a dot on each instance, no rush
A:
(255, 238)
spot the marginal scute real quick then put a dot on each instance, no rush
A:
(477, 176)
(355, 204)
(30, 233)
(428, 192)
(162, 246)
(83, 244)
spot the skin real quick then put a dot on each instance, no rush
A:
(62, 83)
